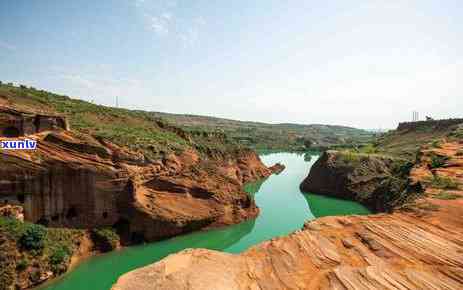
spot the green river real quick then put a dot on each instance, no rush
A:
(283, 209)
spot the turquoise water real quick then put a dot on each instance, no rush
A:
(283, 209)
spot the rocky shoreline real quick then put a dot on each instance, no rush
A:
(418, 246)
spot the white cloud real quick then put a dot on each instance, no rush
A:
(160, 25)
(166, 15)
(163, 18)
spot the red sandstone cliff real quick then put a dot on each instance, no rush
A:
(418, 247)
(75, 180)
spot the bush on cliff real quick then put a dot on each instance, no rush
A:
(106, 238)
(438, 161)
(443, 182)
(33, 237)
(59, 258)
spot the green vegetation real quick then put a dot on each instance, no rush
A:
(438, 160)
(33, 237)
(457, 133)
(368, 149)
(447, 195)
(436, 144)
(407, 143)
(443, 182)
(107, 238)
(22, 264)
(282, 137)
(137, 130)
(59, 258)
(349, 157)
(395, 190)
(150, 133)
(387, 176)
(34, 249)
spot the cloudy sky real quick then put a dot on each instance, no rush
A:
(366, 64)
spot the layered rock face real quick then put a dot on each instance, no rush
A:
(75, 180)
(346, 175)
(15, 123)
(418, 247)
(375, 180)
(369, 252)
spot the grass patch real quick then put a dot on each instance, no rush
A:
(447, 196)
(443, 182)
(349, 157)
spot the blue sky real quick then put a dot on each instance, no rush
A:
(366, 64)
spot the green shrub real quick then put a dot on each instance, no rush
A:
(438, 161)
(443, 182)
(12, 227)
(33, 237)
(59, 255)
(59, 258)
(22, 264)
(107, 238)
(435, 144)
(402, 167)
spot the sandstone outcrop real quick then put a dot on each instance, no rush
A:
(347, 175)
(75, 180)
(277, 168)
(417, 247)
(375, 180)
(357, 252)
(14, 123)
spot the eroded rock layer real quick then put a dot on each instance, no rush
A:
(417, 247)
(75, 180)
(359, 252)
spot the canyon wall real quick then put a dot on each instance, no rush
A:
(74, 180)
(418, 246)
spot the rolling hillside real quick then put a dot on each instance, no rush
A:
(285, 136)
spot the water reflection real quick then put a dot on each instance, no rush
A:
(321, 206)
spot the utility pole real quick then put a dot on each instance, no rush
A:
(117, 102)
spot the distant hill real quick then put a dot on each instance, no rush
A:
(136, 128)
(409, 137)
(284, 136)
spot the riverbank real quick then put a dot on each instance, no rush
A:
(274, 220)
(417, 246)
